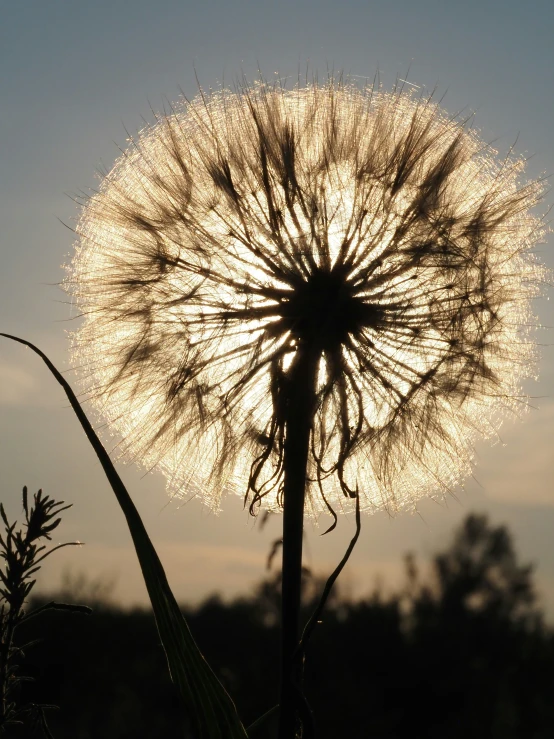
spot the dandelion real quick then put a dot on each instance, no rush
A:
(362, 238)
(315, 298)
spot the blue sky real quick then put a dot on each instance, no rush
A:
(75, 76)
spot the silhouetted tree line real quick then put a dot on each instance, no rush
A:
(462, 653)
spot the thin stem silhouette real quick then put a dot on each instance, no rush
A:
(299, 419)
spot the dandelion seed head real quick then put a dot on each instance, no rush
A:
(245, 227)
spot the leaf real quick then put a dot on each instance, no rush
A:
(259, 722)
(210, 710)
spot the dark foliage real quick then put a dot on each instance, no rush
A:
(463, 653)
(22, 551)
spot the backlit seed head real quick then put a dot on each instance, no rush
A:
(370, 227)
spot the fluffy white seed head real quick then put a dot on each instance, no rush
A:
(243, 227)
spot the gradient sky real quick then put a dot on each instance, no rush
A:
(75, 75)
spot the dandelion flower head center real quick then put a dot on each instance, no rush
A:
(324, 309)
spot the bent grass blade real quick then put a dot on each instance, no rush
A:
(210, 709)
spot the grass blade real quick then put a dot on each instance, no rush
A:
(210, 710)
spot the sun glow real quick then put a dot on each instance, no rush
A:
(246, 226)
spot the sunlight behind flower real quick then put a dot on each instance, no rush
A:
(245, 225)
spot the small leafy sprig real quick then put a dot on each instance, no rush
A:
(23, 550)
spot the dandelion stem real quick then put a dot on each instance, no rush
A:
(299, 418)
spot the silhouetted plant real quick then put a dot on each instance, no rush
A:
(362, 238)
(210, 710)
(22, 551)
(317, 298)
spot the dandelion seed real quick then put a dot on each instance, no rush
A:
(366, 230)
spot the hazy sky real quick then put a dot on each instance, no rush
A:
(75, 75)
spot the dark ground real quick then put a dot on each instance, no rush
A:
(465, 654)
